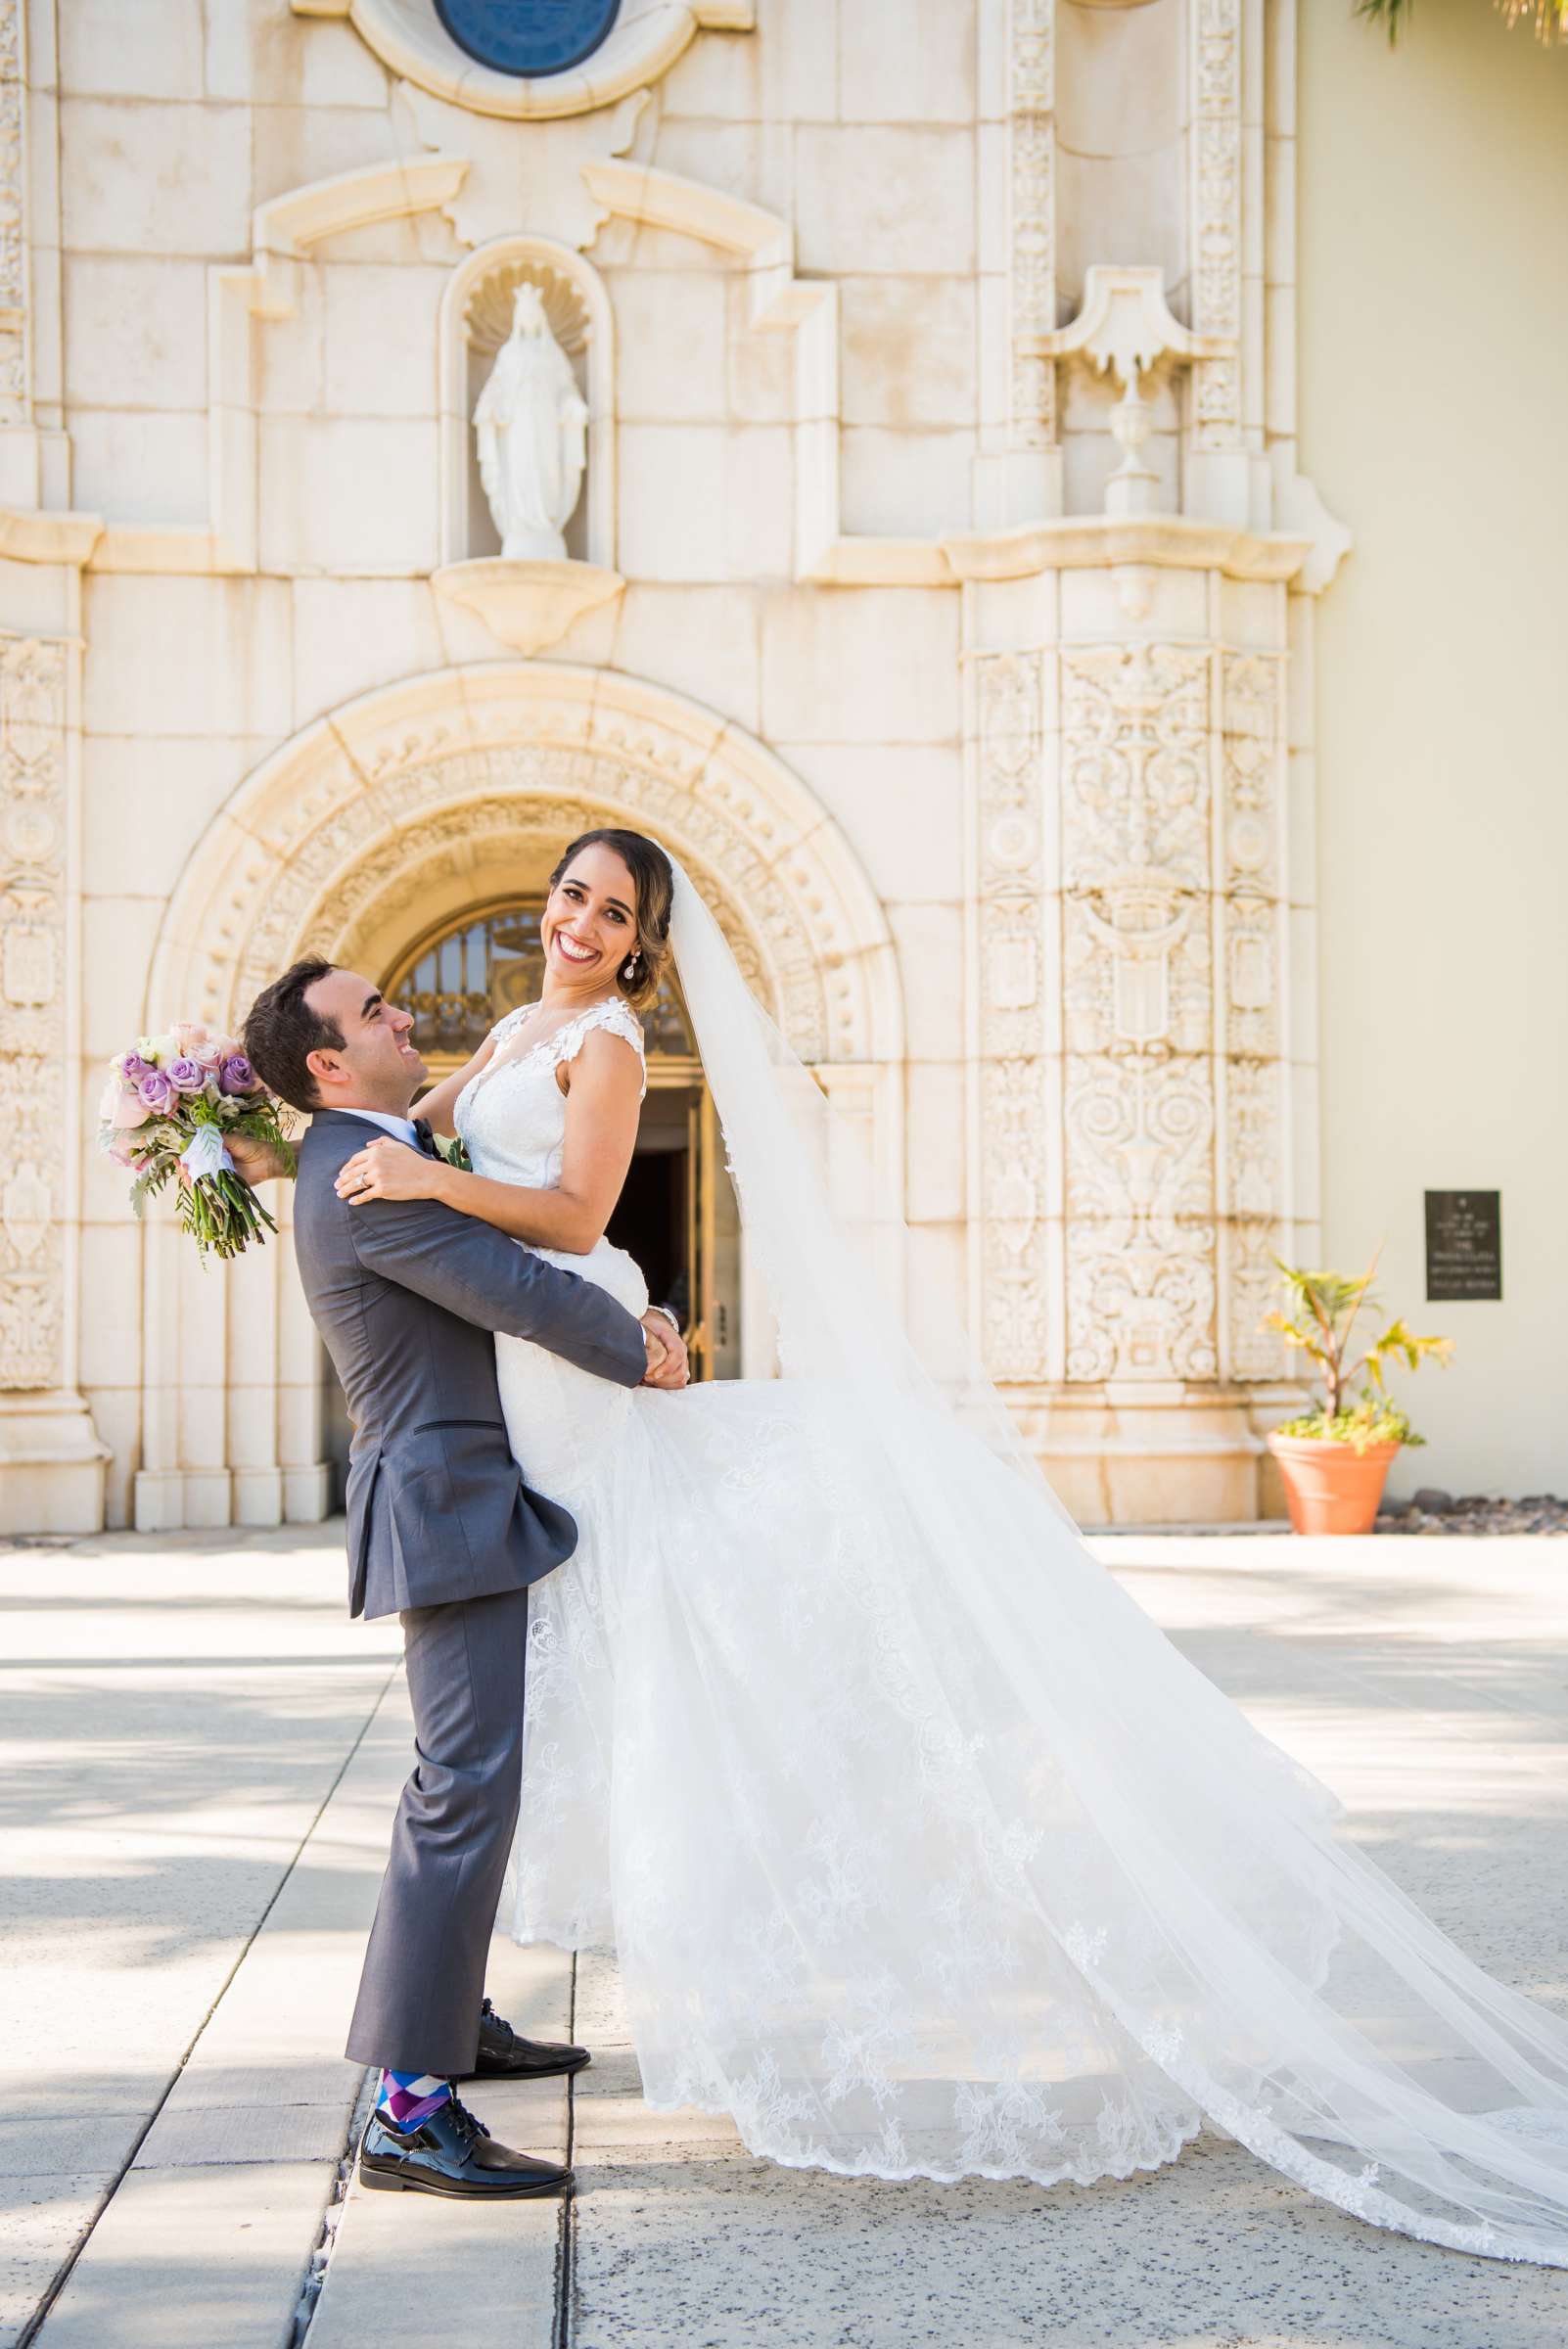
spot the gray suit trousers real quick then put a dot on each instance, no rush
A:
(418, 2008)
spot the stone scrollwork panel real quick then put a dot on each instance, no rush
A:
(1251, 833)
(1013, 1099)
(1032, 225)
(1138, 997)
(1214, 216)
(13, 218)
(1141, 1234)
(33, 1057)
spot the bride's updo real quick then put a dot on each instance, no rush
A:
(653, 885)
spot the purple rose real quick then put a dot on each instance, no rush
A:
(186, 1075)
(133, 1067)
(237, 1074)
(155, 1091)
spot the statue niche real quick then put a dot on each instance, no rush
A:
(527, 442)
(531, 427)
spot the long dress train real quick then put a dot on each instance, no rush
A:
(923, 1851)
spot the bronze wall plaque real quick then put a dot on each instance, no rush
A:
(1463, 1245)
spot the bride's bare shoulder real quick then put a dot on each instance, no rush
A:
(597, 1038)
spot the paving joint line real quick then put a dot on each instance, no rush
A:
(34, 2324)
(566, 2238)
(326, 2242)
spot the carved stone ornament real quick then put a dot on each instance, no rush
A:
(1032, 175)
(1138, 999)
(13, 403)
(529, 606)
(1124, 326)
(333, 820)
(1171, 948)
(1213, 211)
(33, 1061)
(1009, 913)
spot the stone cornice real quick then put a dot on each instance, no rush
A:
(1099, 541)
(39, 536)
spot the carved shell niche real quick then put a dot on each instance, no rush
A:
(488, 311)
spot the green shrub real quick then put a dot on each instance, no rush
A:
(1370, 1422)
(1323, 1310)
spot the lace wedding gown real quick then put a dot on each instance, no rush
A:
(923, 1852)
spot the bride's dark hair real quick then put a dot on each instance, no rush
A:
(653, 886)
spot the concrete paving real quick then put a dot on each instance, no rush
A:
(201, 1758)
(193, 1802)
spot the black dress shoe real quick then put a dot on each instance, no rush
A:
(452, 2153)
(505, 2055)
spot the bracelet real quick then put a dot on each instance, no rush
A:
(669, 1316)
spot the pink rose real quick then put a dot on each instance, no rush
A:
(127, 1111)
(120, 1106)
(210, 1055)
(187, 1035)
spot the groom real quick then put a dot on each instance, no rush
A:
(444, 1531)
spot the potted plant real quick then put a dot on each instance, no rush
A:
(1334, 1460)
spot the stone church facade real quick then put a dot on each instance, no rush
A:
(946, 588)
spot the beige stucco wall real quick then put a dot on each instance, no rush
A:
(1433, 343)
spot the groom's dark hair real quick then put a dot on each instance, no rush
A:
(281, 1029)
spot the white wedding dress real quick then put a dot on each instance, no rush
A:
(924, 1853)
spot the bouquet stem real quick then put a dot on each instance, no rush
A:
(223, 1215)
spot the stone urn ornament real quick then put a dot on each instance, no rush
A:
(532, 426)
(1333, 1461)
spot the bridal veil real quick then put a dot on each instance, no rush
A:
(1040, 1900)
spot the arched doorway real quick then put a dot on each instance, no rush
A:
(404, 814)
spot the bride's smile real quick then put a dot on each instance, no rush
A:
(588, 927)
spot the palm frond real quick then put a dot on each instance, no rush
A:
(1550, 17)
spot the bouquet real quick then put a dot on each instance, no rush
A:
(166, 1112)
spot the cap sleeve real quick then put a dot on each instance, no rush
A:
(614, 1015)
(509, 1025)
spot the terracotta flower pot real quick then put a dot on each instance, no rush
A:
(1332, 1488)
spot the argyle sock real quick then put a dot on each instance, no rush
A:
(405, 2098)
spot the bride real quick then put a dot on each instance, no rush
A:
(923, 1852)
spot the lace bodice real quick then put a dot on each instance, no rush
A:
(512, 1115)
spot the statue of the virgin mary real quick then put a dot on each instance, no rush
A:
(531, 425)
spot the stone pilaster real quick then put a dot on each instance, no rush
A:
(1215, 467)
(1014, 1284)
(51, 1461)
(1131, 1147)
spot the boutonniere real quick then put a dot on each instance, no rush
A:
(450, 1148)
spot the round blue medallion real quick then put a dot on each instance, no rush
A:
(527, 37)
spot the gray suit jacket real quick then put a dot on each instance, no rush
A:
(407, 1294)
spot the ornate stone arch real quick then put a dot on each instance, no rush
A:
(441, 783)
(437, 762)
